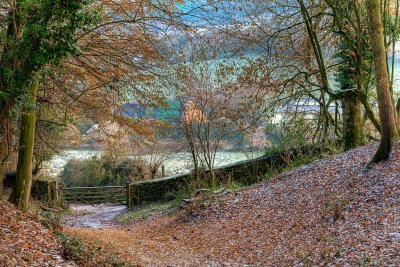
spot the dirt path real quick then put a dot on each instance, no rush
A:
(93, 216)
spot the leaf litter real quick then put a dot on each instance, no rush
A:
(24, 241)
(333, 212)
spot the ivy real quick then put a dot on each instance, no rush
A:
(46, 34)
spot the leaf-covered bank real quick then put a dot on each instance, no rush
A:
(331, 212)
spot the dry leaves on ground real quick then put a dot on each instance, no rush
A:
(26, 242)
(332, 212)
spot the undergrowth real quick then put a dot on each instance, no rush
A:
(89, 254)
(145, 211)
(170, 208)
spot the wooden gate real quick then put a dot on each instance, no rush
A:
(96, 195)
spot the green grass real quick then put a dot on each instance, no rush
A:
(300, 160)
(145, 211)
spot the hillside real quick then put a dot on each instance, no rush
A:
(331, 212)
(26, 242)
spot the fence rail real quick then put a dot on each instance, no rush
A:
(96, 195)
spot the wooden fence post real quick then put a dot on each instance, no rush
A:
(128, 195)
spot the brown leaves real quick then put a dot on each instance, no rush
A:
(24, 241)
(326, 213)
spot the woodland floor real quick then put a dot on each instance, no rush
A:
(332, 212)
(24, 241)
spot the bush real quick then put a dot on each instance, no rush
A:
(104, 171)
(89, 253)
(290, 134)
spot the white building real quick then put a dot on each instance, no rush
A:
(308, 108)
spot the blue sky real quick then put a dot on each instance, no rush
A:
(200, 12)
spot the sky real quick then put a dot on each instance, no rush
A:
(200, 13)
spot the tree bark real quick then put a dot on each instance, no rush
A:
(387, 119)
(352, 135)
(316, 46)
(23, 182)
(2, 176)
(369, 112)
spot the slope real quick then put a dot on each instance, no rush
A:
(26, 242)
(332, 212)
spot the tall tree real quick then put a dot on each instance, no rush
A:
(23, 181)
(106, 50)
(386, 114)
(38, 33)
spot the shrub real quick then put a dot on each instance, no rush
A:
(104, 171)
(89, 253)
(290, 134)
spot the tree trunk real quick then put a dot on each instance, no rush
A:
(23, 182)
(2, 176)
(387, 119)
(315, 45)
(369, 112)
(352, 136)
(6, 139)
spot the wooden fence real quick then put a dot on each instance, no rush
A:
(96, 195)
